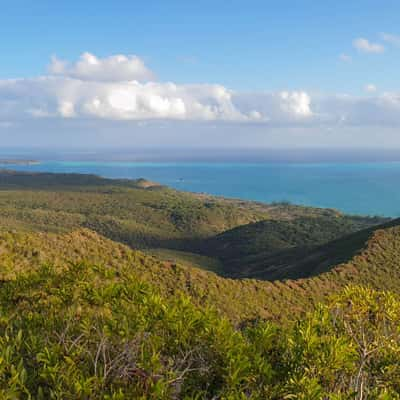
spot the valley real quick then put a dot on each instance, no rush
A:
(134, 288)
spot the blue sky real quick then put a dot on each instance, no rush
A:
(250, 48)
(252, 45)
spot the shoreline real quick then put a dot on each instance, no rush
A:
(303, 185)
(19, 162)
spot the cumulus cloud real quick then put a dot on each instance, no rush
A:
(111, 93)
(366, 46)
(280, 108)
(114, 68)
(111, 88)
(65, 97)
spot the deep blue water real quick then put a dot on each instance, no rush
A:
(357, 188)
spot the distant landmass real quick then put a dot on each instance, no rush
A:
(354, 188)
(18, 162)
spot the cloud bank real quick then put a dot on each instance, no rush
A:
(123, 88)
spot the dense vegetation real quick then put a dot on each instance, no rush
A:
(148, 216)
(86, 317)
(251, 250)
(137, 213)
(376, 264)
(94, 332)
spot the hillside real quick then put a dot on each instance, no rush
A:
(24, 253)
(52, 218)
(271, 249)
(87, 317)
(75, 329)
(138, 213)
(167, 222)
(370, 257)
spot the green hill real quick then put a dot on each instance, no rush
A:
(361, 258)
(138, 213)
(86, 317)
(148, 216)
(272, 249)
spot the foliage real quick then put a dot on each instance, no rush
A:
(92, 331)
(83, 317)
(376, 264)
(145, 215)
(262, 244)
(138, 213)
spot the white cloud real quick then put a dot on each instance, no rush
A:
(297, 103)
(345, 58)
(370, 88)
(109, 88)
(276, 108)
(390, 38)
(379, 110)
(114, 68)
(366, 46)
(65, 97)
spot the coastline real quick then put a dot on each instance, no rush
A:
(19, 162)
(351, 188)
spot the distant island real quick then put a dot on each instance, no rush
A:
(18, 162)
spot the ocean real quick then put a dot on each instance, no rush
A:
(365, 188)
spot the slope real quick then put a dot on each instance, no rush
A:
(81, 330)
(173, 224)
(137, 212)
(373, 258)
(263, 249)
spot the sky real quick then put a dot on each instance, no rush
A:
(205, 73)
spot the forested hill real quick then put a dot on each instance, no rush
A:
(86, 315)
(83, 317)
(234, 235)
(373, 260)
(290, 249)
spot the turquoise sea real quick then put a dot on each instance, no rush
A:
(359, 188)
